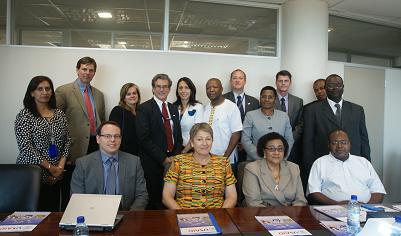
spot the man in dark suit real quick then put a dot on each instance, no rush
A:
(244, 101)
(110, 171)
(292, 105)
(159, 136)
(322, 117)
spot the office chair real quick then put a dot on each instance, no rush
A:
(240, 180)
(19, 187)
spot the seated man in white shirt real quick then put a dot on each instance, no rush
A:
(337, 176)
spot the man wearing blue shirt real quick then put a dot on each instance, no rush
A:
(110, 171)
(84, 108)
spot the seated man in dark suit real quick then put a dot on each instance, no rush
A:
(110, 171)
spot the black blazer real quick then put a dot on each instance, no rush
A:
(319, 121)
(251, 103)
(152, 137)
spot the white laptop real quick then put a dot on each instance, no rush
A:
(99, 210)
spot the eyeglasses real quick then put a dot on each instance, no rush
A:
(336, 142)
(273, 149)
(161, 87)
(335, 86)
(110, 136)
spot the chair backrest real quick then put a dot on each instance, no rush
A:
(240, 177)
(19, 187)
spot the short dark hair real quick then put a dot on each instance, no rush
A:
(334, 76)
(162, 77)
(99, 129)
(283, 73)
(215, 79)
(231, 75)
(86, 60)
(192, 97)
(335, 131)
(29, 101)
(268, 137)
(318, 80)
(268, 88)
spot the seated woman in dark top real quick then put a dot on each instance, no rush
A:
(124, 114)
(43, 139)
(272, 180)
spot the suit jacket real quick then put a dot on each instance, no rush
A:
(319, 121)
(258, 185)
(295, 105)
(152, 136)
(69, 99)
(88, 178)
(251, 103)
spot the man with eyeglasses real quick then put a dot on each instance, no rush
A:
(321, 117)
(110, 171)
(159, 137)
(338, 175)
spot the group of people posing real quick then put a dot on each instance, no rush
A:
(185, 154)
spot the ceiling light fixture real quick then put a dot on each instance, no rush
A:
(330, 29)
(105, 15)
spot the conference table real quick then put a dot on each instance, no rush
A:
(233, 221)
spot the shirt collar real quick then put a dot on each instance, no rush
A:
(285, 97)
(81, 85)
(332, 103)
(335, 159)
(238, 94)
(105, 157)
(158, 101)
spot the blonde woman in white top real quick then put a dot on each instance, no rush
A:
(189, 108)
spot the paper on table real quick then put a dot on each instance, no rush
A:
(338, 212)
(22, 221)
(377, 227)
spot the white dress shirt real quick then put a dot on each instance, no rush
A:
(339, 180)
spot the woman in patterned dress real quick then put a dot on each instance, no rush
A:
(200, 179)
(43, 139)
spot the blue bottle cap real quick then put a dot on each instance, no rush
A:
(398, 218)
(80, 219)
(354, 197)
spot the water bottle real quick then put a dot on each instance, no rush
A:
(81, 228)
(353, 223)
(396, 229)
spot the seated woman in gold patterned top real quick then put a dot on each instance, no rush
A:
(200, 179)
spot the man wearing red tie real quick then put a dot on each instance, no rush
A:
(159, 136)
(84, 107)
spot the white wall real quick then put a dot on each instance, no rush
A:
(18, 64)
(392, 131)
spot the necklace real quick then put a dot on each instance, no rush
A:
(276, 178)
(201, 161)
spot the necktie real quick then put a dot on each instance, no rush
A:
(338, 113)
(167, 127)
(111, 177)
(240, 107)
(89, 109)
(283, 108)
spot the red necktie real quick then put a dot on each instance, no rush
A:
(167, 127)
(89, 109)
